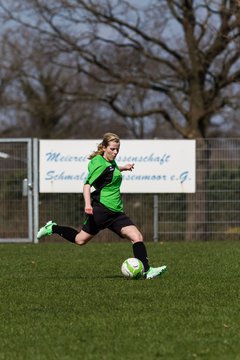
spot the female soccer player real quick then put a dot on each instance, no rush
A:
(104, 207)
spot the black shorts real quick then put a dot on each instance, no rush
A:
(103, 218)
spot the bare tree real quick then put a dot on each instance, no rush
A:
(185, 61)
(46, 100)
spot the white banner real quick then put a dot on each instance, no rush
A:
(161, 166)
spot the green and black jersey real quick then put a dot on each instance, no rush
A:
(106, 178)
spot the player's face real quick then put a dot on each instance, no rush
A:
(111, 151)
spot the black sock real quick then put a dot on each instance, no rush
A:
(140, 252)
(65, 232)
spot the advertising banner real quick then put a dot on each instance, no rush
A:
(161, 166)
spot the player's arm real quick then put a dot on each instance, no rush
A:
(127, 167)
(94, 171)
(87, 199)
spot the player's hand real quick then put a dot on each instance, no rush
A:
(129, 167)
(89, 210)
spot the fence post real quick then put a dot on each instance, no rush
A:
(28, 189)
(35, 190)
(155, 218)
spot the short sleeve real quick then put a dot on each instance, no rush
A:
(95, 169)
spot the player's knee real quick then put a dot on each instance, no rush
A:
(80, 241)
(137, 238)
(133, 234)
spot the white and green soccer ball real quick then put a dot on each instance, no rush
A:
(132, 268)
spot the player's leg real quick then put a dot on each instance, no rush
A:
(66, 232)
(132, 233)
(82, 238)
(51, 227)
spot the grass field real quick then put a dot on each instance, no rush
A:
(60, 301)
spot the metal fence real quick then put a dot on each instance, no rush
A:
(16, 205)
(210, 213)
(213, 211)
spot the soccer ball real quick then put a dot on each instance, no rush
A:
(132, 268)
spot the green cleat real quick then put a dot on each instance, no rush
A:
(153, 273)
(46, 229)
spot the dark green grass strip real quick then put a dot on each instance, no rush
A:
(60, 301)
